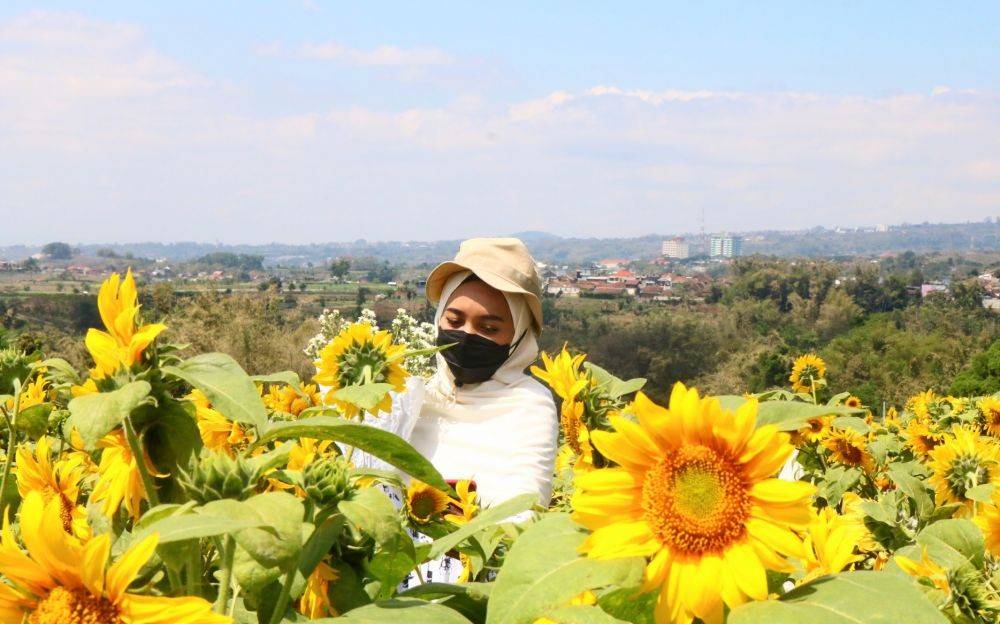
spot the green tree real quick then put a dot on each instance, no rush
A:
(340, 267)
(982, 376)
(58, 251)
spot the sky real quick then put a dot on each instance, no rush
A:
(310, 120)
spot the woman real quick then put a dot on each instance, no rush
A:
(480, 417)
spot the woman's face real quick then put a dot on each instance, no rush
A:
(477, 308)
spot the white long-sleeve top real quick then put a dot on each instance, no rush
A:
(506, 442)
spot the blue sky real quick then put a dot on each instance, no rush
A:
(221, 120)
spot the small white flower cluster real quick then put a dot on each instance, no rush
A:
(404, 329)
(415, 335)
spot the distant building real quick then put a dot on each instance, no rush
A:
(612, 263)
(881, 228)
(676, 248)
(934, 287)
(725, 246)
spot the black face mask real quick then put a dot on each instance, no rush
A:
(471, 358)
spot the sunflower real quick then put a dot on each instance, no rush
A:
(850, 448)
(283, 398)
(123, 343)
(807, 370)
(922, 438)
(562, 374)
(694, 493)
(988, 520)
(830, 542)
(87, 387)
(33, 393)
(218, 433)
(960, 463)
(571, 421)
(359, 355)
(60, 481)
(306, 450)
(816, 430)
(465, 575)
(424, 502)
(891, 422)
(851, 506)
(852, 402)
(315, 601)
(925, 569)
(957, 404)
(989, 407)
(120, 481)
(62, 579)
(923, 404)
(466, 504)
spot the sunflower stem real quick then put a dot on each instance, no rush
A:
(286, 589)
(140, 461)
(11, 438)
(228, 553)
(194, 573)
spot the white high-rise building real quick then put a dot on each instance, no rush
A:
(676, 248)
(725, 246)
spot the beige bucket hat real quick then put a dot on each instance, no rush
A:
(503, 263)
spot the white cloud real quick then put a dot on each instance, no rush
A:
(379, 56)
(103, 137)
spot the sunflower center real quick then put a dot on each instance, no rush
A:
(966, 472)
(356, 359)
(571, 430)
(74, 606)
(696, 501)
(423, 505)
(848, 453)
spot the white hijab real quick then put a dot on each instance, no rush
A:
(502, 432)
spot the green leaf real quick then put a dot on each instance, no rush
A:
(915, 489)
(386, 446)
(34, 421)
(278, 540)
(954, 542)
(178, 528)
(409, 610)
(226, 385)
(392, 562)
(581, 614)
(315, 548)
(58, 368)
(488, 517)
(171, 433)
(544, 571)
(792, 415)
(847, 598)
(289, 378)
(981, 493)
(852, 422)
(372, 513)
(629, 605)
(95, 415)
(365, 396)
(611, 385)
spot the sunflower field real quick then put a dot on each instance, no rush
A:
(168, 487)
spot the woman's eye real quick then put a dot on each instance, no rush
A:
(490, 330)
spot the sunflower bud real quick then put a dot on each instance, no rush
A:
(218, 476)
(327, 481)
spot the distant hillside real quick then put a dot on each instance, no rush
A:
(551, 248)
